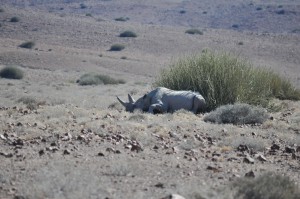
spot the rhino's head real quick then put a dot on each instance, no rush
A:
(132, 104)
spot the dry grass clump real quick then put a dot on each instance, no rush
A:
(96, 79)
(237, 114)
(117, 47)
(194, 31)
(122, 19)
(128, 33)
(14, 19)
(223, 79)
(28, 44)
(11, 72)
(267, 186)
(30, 102)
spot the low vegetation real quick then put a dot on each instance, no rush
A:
(267, 186)
(15, 19)
(11, 72)
(117, 47)
(194, 31)
(122, 19)
(237, 114)
(83, 6)
(128, 34)
(30, 102)
(96, 79)
(224, 79)
(1, 10)
(28, 44)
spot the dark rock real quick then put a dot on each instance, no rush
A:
(160, 185)
(250, 174)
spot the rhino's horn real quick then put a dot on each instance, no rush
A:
(130, 98)
(121, 101)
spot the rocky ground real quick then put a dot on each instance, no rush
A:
(62, 140)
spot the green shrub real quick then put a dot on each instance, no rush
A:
(128, 34)
(28, 44)
(267, 186)
(117, 47)
(194, 31)
(88, 15)
(223, 79)
(122, 19)
(96, 79)
(15, 19)
(11, 72)
(237, 114)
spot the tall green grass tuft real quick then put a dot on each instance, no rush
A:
(224, 79)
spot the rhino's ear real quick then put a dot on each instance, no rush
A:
(130, 98)
(121, 101)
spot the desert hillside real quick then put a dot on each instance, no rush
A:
(59, 139)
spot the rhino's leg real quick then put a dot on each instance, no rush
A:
(157, 108)
(199, 104)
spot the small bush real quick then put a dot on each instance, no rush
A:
(83, 6)
(223, 79)
(29, 45)
(1, 10)
(117, 47)
(259, 8)
(30, 102)
(182, 11)
(11, 72)
(280, 12)
(88, 15)
(237, 114)
(128, 34)
(267, 186)
(15, 19)
(122, 19)
(194, 31)
(95, 79)
(235, 26)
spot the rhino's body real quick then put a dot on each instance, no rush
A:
(162, 100)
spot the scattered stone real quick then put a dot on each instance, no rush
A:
(160, 185)
(298, 149)
(7, 155)
(41, 152)
(18, 142)
(173, 196)
(275, 147)
(243, 148)
(250, 174)
(249, 160)
(109, 149)
(67, 137)
(214, 169)
(155, 147)
(261, 157)
(66, 152)
(289, 150)
(2, 137)
(52, 148)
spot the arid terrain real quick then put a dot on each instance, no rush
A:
(59, 139)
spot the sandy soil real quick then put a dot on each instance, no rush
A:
(77, 141)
